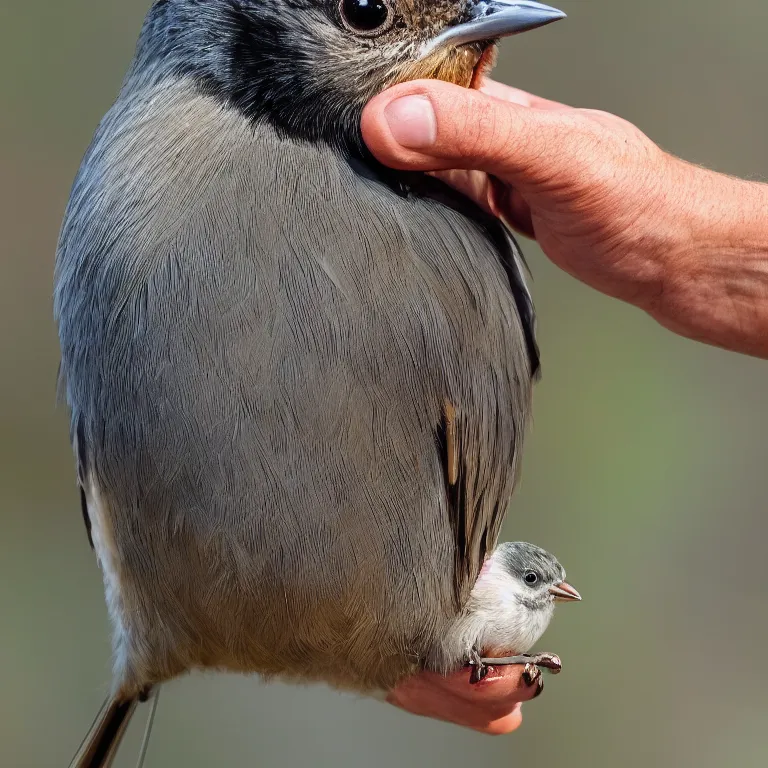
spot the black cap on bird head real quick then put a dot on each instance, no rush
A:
(310, 66)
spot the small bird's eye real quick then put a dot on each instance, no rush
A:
(531, 577)
(366, 17)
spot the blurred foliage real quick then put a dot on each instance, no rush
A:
(645, 472)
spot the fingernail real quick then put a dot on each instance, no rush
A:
(411, 121)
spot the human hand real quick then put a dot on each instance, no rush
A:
(589, 186)
(605, 203)
(491, 706)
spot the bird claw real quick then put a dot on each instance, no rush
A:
(531, 662)
(532, 676)
(479, 668)
(548, 661)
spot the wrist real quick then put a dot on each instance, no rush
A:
(714, 285)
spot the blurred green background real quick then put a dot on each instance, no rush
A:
(646, 472)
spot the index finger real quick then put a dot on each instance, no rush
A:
(518, 96)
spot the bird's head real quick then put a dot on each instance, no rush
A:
(310, 66)
(514, 597)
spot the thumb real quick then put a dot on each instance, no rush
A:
(429, 125)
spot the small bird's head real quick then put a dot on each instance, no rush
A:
(514, 598)
(310, 66)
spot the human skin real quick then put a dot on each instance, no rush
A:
(491, 706)
(686, 245)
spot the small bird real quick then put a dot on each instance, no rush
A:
(298, 381)
(510, 607)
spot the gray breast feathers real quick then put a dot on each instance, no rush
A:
(300, 396)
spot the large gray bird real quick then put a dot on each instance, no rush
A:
(299, 382)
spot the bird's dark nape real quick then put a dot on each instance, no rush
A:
(292, 96)
(257, 58)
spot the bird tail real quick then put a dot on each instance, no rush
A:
(101, 743)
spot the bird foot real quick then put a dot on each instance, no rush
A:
(534, 663)
(479, 668)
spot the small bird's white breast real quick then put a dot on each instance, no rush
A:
(500, 619)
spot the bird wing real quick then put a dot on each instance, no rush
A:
(483, 421)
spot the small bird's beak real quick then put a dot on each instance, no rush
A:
(564, 592)
(491, 19)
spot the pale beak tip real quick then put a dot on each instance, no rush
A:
(564, 592)
(550, 15)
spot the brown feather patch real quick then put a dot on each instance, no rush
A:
(461, 66)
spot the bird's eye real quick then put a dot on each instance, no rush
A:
(531, 577)
(366, 17)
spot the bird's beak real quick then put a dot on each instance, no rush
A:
(564, 593)
(491, 19)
